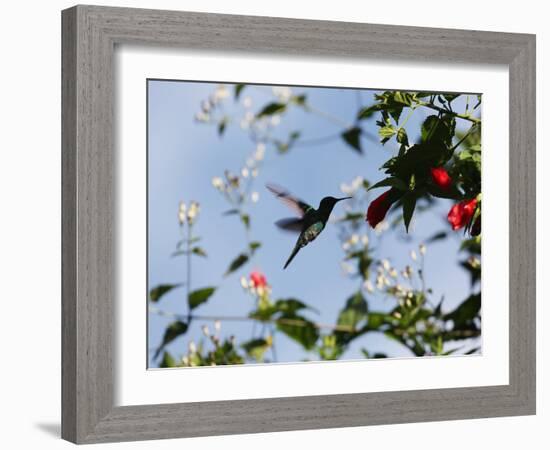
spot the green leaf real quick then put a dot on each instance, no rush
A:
(387, 131)
(466, 311)
(352, 217)
(272, 108)
(157, 292)
(222, 124)
(290, 306)
(254, 245)
(409, 203)
(198, 251)
(390, 181)
(256, 348)
(437, 237)
(238, 89)
(298, 99)
(450, 97)
(200, 296)
(167, 361)
(351, 137)
(402, 136)
(368, 111)
(354, 312)
(245, 219)
(172, 331)
(405, 98)
(237, 263)
(376, 320)
(299, 329)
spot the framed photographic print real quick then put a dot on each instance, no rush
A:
(265, 229)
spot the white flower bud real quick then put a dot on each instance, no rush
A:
(247, 102)
(182, 213)
(368, 286)
(260, 151)
(218, 183)
(413, 255)
(422, 249)
(254, 197)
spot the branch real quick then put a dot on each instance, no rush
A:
(283, 321)
(451, 113)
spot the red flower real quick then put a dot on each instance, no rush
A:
(441, 178)
(461, 213)
(258, 280)
(378, 209)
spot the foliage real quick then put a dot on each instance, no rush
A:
(442, 163)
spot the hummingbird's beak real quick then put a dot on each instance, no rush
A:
(343, 198)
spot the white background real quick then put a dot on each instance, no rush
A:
(135, 386)
(30, 226)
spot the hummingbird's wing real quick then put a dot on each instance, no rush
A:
(299, 206)
(293, 224)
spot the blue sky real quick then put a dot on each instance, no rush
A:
(185, 155)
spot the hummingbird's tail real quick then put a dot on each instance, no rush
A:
(292, 255)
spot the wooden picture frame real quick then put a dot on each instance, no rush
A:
(90, 34)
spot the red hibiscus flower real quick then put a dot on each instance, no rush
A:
(441, 178)
(461, 213)
(258, 280)
(378, 209)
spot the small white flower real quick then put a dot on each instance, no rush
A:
(254, 197)
(245, 172)
(365, 240)
(346, 267)
(260, 152)
(247, 102)
(221, 92)
(205, 331)
(357, 183)
(368, 286)
(346, 189)
(275, 120)
(422, 249)
(244, 282)
(354, 239)
(254, 173)
(193, 212)
(283, 93)
(393, 273)
(202, 117)
(206, 106)
(413, 255)
(386, 264)
(217, 326)
(218, 183)
(182, 213)
(192, 347)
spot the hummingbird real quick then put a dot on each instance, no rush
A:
(310, 221)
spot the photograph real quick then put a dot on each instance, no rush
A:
(299, 224)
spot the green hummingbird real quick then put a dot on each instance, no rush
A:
(310, 221)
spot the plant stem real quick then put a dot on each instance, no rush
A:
(188, 284)
(452, 113)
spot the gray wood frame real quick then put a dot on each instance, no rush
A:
(89, 36)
